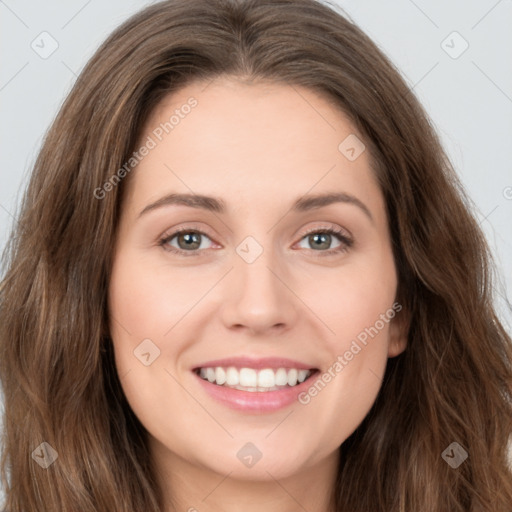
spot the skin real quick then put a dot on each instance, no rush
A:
(259, 147)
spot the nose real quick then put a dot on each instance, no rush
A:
(259, 297)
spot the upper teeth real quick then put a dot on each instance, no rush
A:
(251, 378)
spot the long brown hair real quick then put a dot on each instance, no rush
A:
(453, 383)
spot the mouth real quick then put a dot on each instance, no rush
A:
(253, 379)
(254, 385)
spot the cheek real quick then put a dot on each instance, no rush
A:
(143, 306)
(353, 298)
(359, 321)
(146, 299)
(340, 397)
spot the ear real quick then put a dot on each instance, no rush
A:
(398, 333)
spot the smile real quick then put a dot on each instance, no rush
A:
(254, 380)
(254, 385)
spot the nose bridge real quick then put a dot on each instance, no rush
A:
(254, 267)
(257, 296)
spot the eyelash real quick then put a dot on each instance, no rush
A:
(346, 242)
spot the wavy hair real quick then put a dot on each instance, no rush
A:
(453, 383)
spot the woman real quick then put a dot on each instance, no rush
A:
(260, 367)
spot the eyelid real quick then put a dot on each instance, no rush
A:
(328, 226)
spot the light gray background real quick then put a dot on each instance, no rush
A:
(469, 98)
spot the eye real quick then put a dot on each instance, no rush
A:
(319, 238)
(189, 241)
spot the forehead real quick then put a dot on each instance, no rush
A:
(241, 141)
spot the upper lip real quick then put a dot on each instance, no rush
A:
(256, 363)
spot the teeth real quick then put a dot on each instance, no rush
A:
(249, 379)
(302, 375)
(220, 376)
(232, 377)
(292, 377)
(266, 378)
(281, 377)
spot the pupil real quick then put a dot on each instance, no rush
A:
(317, 237)
(191, 238)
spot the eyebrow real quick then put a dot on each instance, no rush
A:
(217, 205)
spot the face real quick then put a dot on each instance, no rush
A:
(289, 299)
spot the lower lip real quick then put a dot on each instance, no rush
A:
(255, 401)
